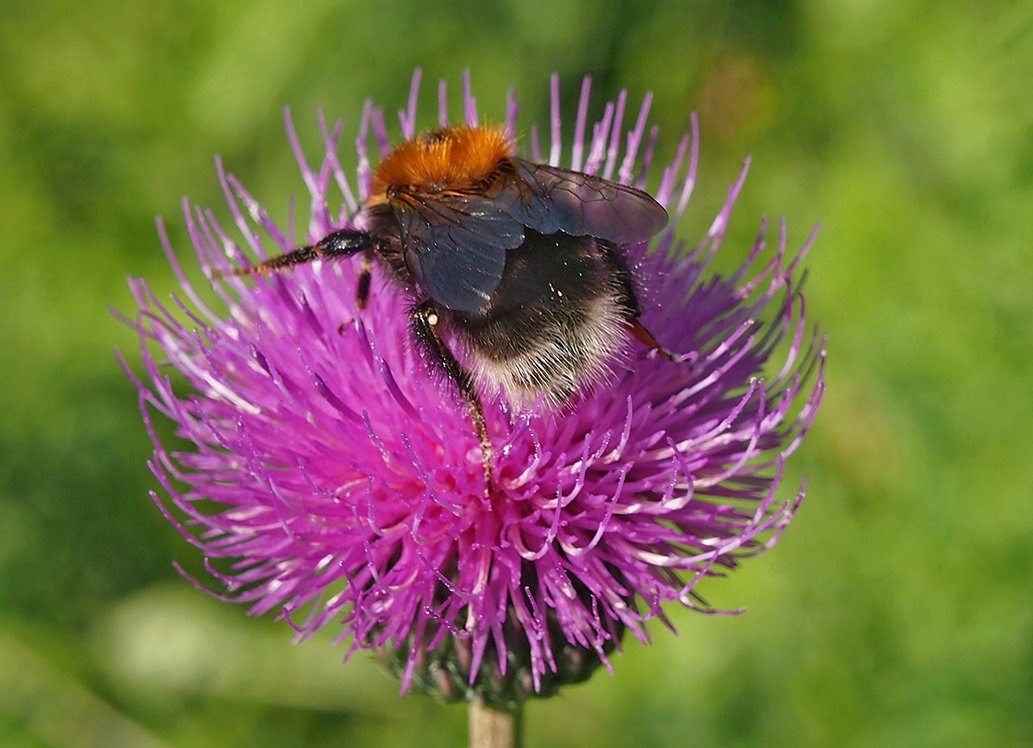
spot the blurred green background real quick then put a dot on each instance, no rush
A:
(898, 609)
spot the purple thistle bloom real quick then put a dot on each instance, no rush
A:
(343, 478)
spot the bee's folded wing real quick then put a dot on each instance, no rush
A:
(456, 246)
(548, 199)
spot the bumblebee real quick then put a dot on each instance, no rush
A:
(516, 265)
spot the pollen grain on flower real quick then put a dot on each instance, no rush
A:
(333, 478)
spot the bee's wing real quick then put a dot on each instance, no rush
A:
(548, 199)
(455, 244)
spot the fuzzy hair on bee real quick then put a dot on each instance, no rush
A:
(557, 322)
(518, 282)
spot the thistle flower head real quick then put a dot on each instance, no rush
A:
(333, 478)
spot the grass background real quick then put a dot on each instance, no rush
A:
(898, 609)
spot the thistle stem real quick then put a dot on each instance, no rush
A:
(495, 728)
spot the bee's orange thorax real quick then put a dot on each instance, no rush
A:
(442, 159)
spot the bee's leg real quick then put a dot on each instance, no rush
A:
(639, 331)
(362, 287)
(338, 244)
(629, 299)
(424, 323)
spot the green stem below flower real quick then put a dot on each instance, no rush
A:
(495, 728)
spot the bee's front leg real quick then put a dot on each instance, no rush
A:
(342, 243)
(362, 286)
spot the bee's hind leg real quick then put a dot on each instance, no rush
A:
(425, 319)
(628, 299)
(641, 334)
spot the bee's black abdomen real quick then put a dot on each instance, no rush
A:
(555, 322)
